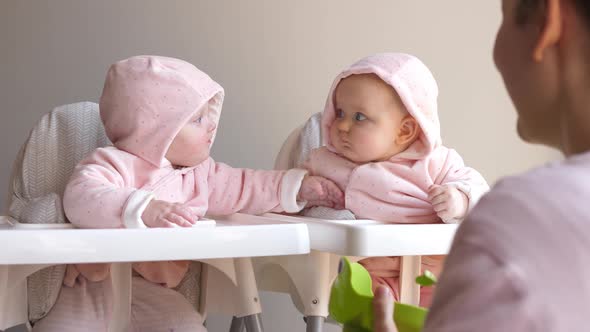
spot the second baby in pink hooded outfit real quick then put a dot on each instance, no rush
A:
(161, 115)
(382, 147)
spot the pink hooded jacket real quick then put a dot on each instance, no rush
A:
(397, 190)
(145, 102)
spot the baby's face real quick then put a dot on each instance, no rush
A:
(368, 118)
(192, 144)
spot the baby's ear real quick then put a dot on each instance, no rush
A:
(409, 131)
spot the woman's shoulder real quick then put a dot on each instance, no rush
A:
(534, 206)
(549, 179)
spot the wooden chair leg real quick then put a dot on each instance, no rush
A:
(409, 290)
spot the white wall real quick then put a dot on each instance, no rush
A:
(276, 60)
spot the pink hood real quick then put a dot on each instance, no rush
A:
(416, 87)
(146, 100)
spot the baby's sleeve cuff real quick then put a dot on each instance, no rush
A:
(290, 186)
(137, 203)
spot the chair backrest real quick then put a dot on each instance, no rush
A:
(294, 153)
(300, 142)
(40, 173)
(56, 144)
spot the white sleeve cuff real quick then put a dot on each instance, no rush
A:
(290, 186)
(136, 204)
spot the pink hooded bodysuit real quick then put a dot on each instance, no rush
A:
(396, 190)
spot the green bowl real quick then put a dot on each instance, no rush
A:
(352, 296)
(409, 318)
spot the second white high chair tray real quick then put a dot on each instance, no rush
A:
(371, 238)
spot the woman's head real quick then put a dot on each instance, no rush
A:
(541, 52)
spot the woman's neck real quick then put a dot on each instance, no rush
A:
(575, 87)
(575, 112)
(575, 125)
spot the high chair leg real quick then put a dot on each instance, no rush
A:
(253, 323)
(13, 294)
(409, 290)
(237, 324)
(231, 288)
(314, 323)
(311, 276)
(247, 298)
(121, 281)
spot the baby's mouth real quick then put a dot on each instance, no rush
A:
(344, 144)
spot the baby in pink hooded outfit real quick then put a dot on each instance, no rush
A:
(161, 115)
(382, 147)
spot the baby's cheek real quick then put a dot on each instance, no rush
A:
(368, 140)
(333, 133)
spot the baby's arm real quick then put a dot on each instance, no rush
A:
(100, 194)
(258, 191)
(457, 189)
(97, 195)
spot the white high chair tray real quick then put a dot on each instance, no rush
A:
(238, 236)
(371, 238)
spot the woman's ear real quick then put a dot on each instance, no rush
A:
(408, 132)
(551, 29)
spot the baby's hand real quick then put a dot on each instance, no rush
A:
(165, 214)
(448, 202)
(319, 191)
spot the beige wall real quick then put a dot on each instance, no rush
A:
(276, 60)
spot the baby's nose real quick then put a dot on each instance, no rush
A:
(343, 125)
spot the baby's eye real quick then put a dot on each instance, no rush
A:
(339, 114)
(199, 120)
(360, 117)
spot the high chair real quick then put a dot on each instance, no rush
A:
(36, 239)
(308, 278)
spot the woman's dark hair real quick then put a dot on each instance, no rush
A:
(527, 8)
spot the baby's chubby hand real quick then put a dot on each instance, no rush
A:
(319, 191)
(165, 214)
(448, 202)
